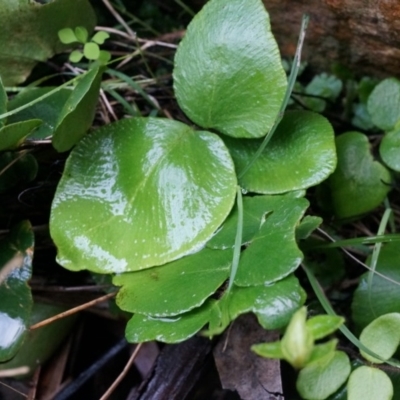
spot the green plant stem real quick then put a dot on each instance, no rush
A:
(238, 238)
(392, 223)
(388, 238)
(185, 7)
(291, 82)
(329, 310)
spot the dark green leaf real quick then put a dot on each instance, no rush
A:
(390, 149)
(12, 135)
(115, 212)
(228, 73)
(300, 154)
(16, 253)
(307, 226)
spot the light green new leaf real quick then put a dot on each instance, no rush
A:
(369, 383)
(384, 104)
(273, 253)
(91, 51)
(16, 253)
(269, 350)
(384, 295)
(139, 193)
(273, 305)
(320, 379)
(382, 336)
(389, 149)
(81, 34)
(37, 29)
(323, 325)
(100, 37)
(12, 135)
(48, 110)
(300, 154)
(142, 328)
(174, 288)
(67, 36)
(359, 184)
(228, 73)
(323, 350)
(77, 115)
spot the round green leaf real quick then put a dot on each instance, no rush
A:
(300, 154)
(359, 184)
(16, 253)
(390, 149)
(384, 295)
(67, 36)
(321, 378)
(369, 383)
(91, 51)
(382, 336)
(139, 193)
(81, 34)
(228, 73)
(176, 287)
(384, 104)
(142, 328)
(100, 37)
(75, 56)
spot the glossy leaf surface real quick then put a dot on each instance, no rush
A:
(139, 193)
(47, 110)
(142, 328)
(273, 305)
(300, 154)
(16, 253)
(273, 253)
(77, 115)
(37, 39)
(307, 226)
(176, 287)
(382, 336)
(384, 295)
(320, 379)
(228, 73)
(359, 184)
(384, 104)
(369, 383)
(389, 149)
(14, 134)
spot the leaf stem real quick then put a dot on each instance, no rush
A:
(291, 81)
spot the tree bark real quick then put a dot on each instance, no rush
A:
(363, 35)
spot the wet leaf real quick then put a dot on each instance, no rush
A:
(16, 253)
(359, 184)
(115, 212)
(176, 329)
(300, 154)
(228, 73)
(384, 295)
(37, 38)
(47, 110)
(176, 287)
(369, 383)
(273, 253)
(77, 115)
(12, 135)
(323, 377)
(384, 104)
(16, 168)
(382, 336)
(389, 149)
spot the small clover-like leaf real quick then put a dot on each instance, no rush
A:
(389, 149)
(75, 56)
(368, 383)
(104, 57)
(67, 36)
(81, 34)
(100, 37)
(228, 73)
(91, 51)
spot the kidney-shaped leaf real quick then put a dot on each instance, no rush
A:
(359, 184)
(383, 296)
(228, 73)
(16, 253)
(300, 154)
(142, 328)
(176, 287)
(273, 253)
(384, 104)
(390, 149)
(382, 336)
(139, 193)
(29, 33)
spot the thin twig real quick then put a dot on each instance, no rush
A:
(121, 376)
(15, 390)
(72, 311)
(119, 18)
